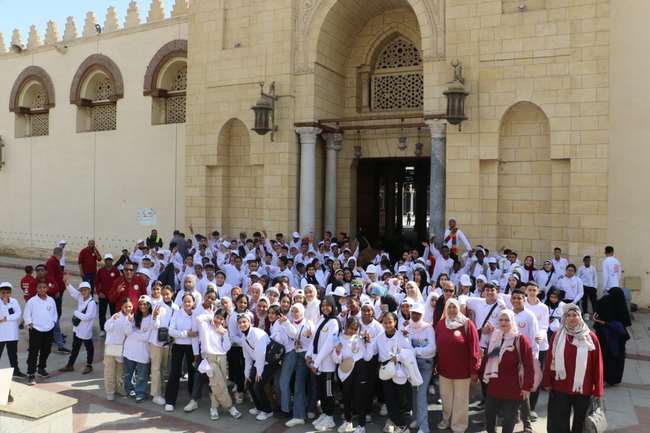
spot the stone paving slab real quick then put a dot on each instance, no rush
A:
(36, 403)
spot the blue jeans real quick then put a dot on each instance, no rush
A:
(58, 336)
(141, 377)
(300, 386)
(286, 372)
(420, 402)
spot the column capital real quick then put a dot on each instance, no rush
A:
(333, 141)
(308, 133)
(438, 127)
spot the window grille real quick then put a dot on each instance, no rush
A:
(103, 117)
(39, 124)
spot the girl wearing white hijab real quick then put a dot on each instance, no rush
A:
(573, 372)
(508, 353)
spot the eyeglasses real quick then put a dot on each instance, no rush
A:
(448, 291)
(128, 269)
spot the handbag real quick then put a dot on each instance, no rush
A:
(163, 334)
(387, 371)
(596, 422)
(274, 353)
(77, 321)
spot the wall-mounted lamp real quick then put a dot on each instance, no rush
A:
(264, 110)
(403, 141)
(456, 95)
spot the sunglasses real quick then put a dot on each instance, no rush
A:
(448, 291)
(128, 270)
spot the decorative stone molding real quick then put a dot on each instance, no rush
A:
(52, 33)
(180, 8)
(31, 73)
(90, 24)
(111, 24)
(176, 48)
(34, 39)
(2, 43)
(156, 11)
(16, 38)
(132, 15)
(92, 63)
(70, 31)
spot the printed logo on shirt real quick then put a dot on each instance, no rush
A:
(136, 287)
(324, 328)
(522, 324)
(112, 274)
(457, 333)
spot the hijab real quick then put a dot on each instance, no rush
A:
(531, 269)
(500, 342)
(459, 320)
(418, 293)
(428, 309)
(301, 310)
(581, 340)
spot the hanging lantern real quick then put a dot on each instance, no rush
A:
(402, 142)
(264, 110)
(456, 95)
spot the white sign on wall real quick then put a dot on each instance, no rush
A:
(147, 216)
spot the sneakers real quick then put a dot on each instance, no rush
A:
(346, 427)
(19, 374)
(360, 429)
(383, 410)
(239, 398)
(402, 429)
(368, 419)
(169, 408)
(66, 369)
(294, 422)
(158, 400)
(319, 419)
(110, 397)
(389, 427)
(63, 350)
(413, 424)
(533, 416)
(253, 411)
(87, 369)
(311, 415)
(31, 379)
(432, 390)
(263, 416)
(214, 414)
(326, 424)
(139, 398)
(234, 412)
(42, 372)
(131, 394)
(102, 333)
(443, 425)
(192, 405)
(420, 431)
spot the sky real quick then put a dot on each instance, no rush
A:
(22, 14)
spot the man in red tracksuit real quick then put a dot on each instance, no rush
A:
(127, 286)
(104, 283)
(55, 271)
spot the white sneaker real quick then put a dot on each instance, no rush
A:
(383, 410)
(432, 390)
(319, 419)
(234, 412)
(294, 422)
(239, 398)
(327, 424)
(253, 411)
(263, 416)
(360, 429)
(158, 400)
(413, 424)
(311, 415)
(443, 425)
(389, 427)
(169, 408)
(110, 397)
(192, 405)
(368, 418)
(346, 427)
(214, 413)
(420, 431)
(403, 429)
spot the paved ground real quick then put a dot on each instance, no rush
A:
(628, 405)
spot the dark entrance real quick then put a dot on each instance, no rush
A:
(392, 197)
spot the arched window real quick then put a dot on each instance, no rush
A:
(397, 79)
(31, 98)
(166, 82)
(96, 87)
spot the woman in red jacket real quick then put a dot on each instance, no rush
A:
(507, 352)
(459, 359)
(573, 372)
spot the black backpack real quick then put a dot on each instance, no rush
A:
(274, 353)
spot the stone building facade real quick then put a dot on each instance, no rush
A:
(551, 153)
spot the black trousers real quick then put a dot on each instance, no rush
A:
(591, 295)
(374, 387)
(325, 383)
(260, 399)
(12, 352)
(40, 345)
(103, 306)
(76, 347)
(506, 408)
(355, 393)
(398, 401)
(235, 358)
(560, 406)
(180, 352)
(59, 305)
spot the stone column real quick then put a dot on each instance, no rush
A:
(438, 178)
(333, 143)
(307, 204)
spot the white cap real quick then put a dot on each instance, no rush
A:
(250, 257)
(402, 268)
(108, 256)
(144, 298)
(371, 269)
(147, 258)
(84, 285)
(295, 235)
(62, 242)
(465, 280)
(491, 260)
(481, 278)
(417, 308)
(6, 285)
(339, 291)
(140, 241)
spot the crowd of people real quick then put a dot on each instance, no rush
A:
(302, 328)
